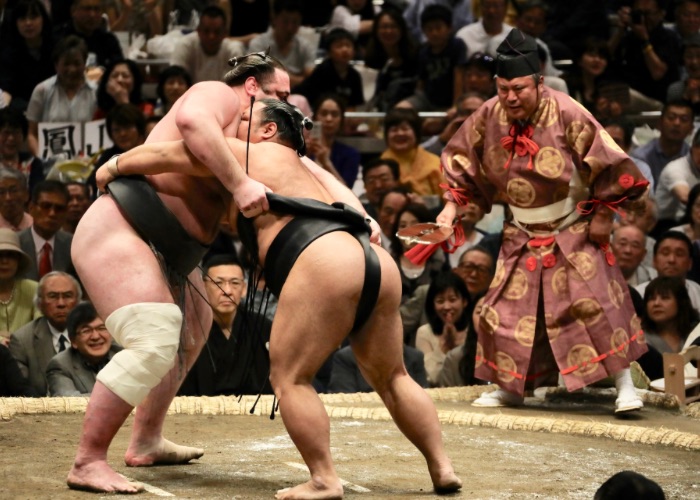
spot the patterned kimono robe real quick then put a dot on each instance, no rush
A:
(555, 292)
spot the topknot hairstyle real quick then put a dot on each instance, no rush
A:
(290, 122)
(260, 65)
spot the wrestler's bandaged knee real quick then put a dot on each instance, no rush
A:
(149, 334)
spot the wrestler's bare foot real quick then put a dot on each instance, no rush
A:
(445, 480)
(163, 452)
(312, 490)
(98, 476)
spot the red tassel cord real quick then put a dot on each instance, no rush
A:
(519, 142)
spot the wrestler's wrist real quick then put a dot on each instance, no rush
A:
(113, 167)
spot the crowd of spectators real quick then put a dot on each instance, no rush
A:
(633, 64)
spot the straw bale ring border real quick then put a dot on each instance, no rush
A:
(351, 406)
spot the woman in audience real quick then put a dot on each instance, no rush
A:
(121, 84)
(338, 158)
(173, 81)
(419, 168)
(458, 367)
(65, 97)
(126, 127)
(668, 319)
(392, 52)
(13, 154)
(412, 275)
(25, 56)
(589, 69)
(16, 294)
(446, 307)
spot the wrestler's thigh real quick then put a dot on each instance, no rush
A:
(378, 345)
(317, 306)
(115, 266)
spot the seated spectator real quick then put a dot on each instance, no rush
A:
(464, 106)
(413, 275)
(675, 182)
(446, 306)
(440, 61)
(479, 73)
(335, 74)
(621, 132)
(629, 248)
(646, 54)
(235, 359)
(390, 204)
(205, 53)
(687, 19)
(476, 267)
(419, 169)
(121, 84)
(79, 201)
(66, 97)
(73, 371)
(486, 34)
(392, 52)
(379, 175)
(591, 82)
(173, 81)
(356, 16)
(339, 159)
(12, 383)
(588, 71)
(667, 321)
(13, 134)
(47, 245)
(126, 127)
(458, 367)
(16, 294)
(37, 342)
(13, 200)
(673, 259)
(283, 40)
(675, 125)
(25, 56)
(87, 23)
(691, 218)
(347, 378)
(688, 87)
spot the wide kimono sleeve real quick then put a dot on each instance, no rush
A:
(613, 178)
(462, 162)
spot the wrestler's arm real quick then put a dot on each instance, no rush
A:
(340, 192)
(151, 159)
(205, 111)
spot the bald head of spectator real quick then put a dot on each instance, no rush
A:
(629, 248)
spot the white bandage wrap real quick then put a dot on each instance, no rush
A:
(149, 334)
